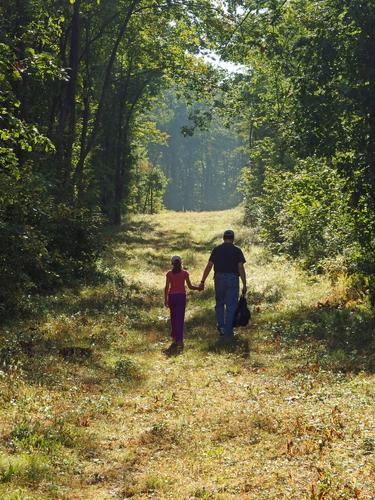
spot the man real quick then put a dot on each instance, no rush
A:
(228, 262)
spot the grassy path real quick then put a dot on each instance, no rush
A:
(94, 410)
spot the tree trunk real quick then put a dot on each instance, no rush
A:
(123, 161)
(151, 200)
(371, 142)
(67, 122)
(146, 201)
(78, 173)
(371, 114)
(119, 168)
(107, 79)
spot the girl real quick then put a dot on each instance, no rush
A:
(175, 299)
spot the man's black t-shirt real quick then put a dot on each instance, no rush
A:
(226, 257)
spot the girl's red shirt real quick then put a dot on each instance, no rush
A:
(177, 281)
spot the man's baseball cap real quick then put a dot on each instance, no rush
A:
(228, 234)
(176, 258)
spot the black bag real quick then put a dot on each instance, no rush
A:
(242, 316)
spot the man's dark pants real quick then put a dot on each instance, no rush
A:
(226, 295)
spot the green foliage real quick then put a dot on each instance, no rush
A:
(75, 233)
(76, 82)
(148, 188)
(41, 244)
(310, 126)
(306, 212)
(127, 369)
(17, 135)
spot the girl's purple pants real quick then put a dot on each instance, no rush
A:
(177, 304)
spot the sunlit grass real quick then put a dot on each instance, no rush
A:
(91, 408)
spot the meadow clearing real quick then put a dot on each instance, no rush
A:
(92, 409)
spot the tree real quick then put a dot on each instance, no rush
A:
(309, 97)
(76, 80)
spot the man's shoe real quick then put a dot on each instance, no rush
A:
(220, 329)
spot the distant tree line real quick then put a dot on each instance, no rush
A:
(202, 156)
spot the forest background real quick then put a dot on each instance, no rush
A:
(107, 106)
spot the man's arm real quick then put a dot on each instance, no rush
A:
(242, 273)
(206, 272)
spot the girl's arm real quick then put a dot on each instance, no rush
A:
(190, 286)
(166, 292)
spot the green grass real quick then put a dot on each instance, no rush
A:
(91, 408)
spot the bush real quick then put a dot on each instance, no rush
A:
(42, 244)
(127, 369)
(312, 213)
(306, 213)
(74, 241)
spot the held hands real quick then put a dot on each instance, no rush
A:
(197, 288)
(244, 290)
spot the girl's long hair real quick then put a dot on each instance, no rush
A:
(177, 266)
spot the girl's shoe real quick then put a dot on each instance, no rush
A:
(179, 348)
(171, 350)
(174, 349)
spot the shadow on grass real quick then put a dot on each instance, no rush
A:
(130, 232)
(47, 361)
(160, 262)
(107, 295)
(141, 234)
(236, 345)
(155, 256)
(338, 339)
(201, 330)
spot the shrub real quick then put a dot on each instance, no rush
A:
(127, 369)
(309, 211)
(75, 240)
(42, 244)
(306, 213)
